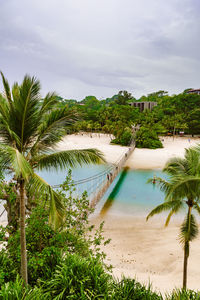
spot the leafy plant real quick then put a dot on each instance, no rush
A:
(130, 289)
(46, 246)
(79, 278)
(147, 138)
(183, 295)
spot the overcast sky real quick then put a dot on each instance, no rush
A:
(98, 47)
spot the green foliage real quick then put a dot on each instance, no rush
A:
(78, 278)
(130, 289)
(13, 290)
(147, 138)
(8, 272)
(183, 295)
(124, 97)
(46, 246)
(124, 139)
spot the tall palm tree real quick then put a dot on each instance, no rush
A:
(182, 190)
(29, 129)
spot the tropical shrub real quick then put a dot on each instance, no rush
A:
(13, 290)
(130, 289)
(46, 246)
(124, 139)
(183, 295)
(79, 278)
(147, 138)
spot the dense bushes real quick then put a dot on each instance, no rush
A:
(124, 139)
(79, 278)
(147, 138)
(47, 247)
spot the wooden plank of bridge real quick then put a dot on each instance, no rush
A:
(107, 183)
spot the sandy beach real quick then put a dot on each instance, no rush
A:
(139, 249)
(140, 159)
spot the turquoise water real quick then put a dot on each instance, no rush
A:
(134, 196)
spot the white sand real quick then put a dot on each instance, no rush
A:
(149, 252)
(156, 158)
(99, 141)
(140, 159)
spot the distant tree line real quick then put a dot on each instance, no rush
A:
(172, 115)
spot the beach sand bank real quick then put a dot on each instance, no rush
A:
(93, 140)
(157, 158)
(149, 252)
(140, 159)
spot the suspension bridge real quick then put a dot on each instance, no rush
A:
(97, 185)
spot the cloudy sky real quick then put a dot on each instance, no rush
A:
(98, 47)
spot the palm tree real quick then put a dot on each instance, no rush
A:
(29, 129)
(182, 189)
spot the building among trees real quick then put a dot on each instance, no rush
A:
(144, 105)
(193, 91)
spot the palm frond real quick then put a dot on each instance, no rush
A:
(25, 114)
(8, 136)
(6, 88)
(169, 205)
(53, 129)
(189, 229)
(56, 211)
(164, 185)
(176, 208)
(70, 158)
(175, 166)
(50, 100)
(197, 208)
(17, 162)
(185, 187)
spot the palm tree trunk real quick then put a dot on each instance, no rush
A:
(24, 272)
(186, 252)
(185, 263)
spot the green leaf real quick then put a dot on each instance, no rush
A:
(189, 229)
(70, 158)
(56, 212)
(169, 205)
(16, 161)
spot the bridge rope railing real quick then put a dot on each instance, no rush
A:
(100, 174)
(102, 180)
(98, 194)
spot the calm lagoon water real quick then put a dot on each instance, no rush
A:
(135, 196)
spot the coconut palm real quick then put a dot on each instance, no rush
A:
(182, 190)
(30, 127)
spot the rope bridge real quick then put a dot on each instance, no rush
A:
(97, 185)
